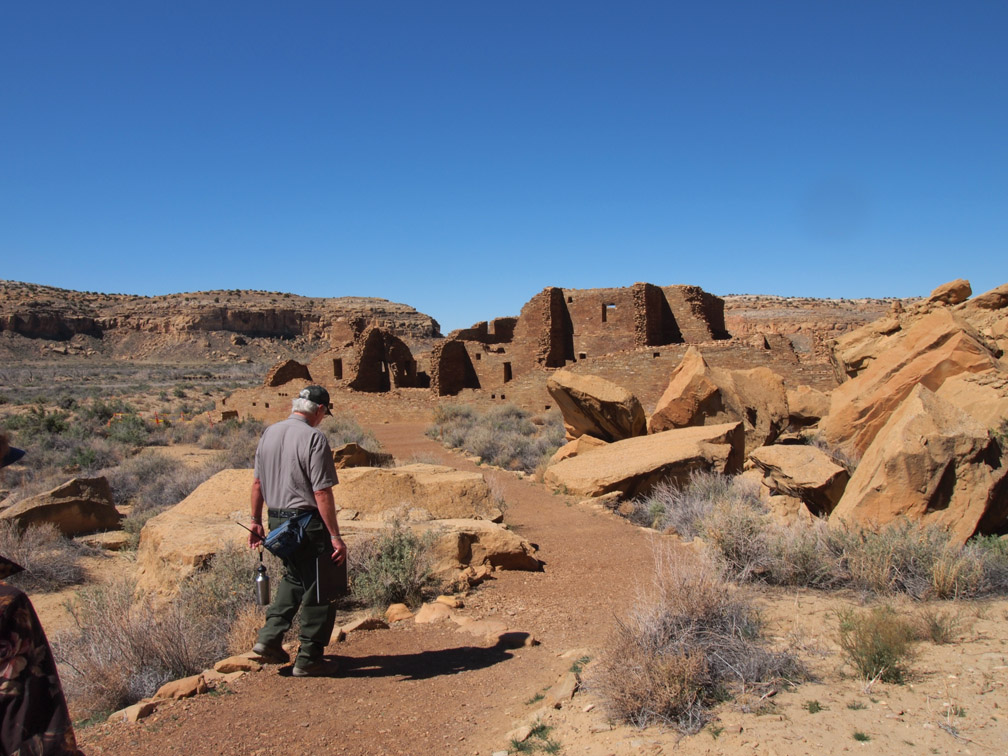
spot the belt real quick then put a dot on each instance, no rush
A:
(286, 514)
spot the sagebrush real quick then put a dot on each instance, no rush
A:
(689, 641)
(505, 436)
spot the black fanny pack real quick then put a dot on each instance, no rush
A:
(284, 540)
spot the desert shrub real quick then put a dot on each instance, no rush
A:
(878, 642)
(505, 436)
(124, 646)
(992, 552)
(905, 558)
(236, 439)
(689, 641)
(129, 430)
(394, 567)
(50, 560)
(343, 429)
(902, 558)
(937, 626)
(800, 555)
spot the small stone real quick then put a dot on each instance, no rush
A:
(365, 623)
(237, 664)
(450, 601)
(134, 713)
(397, 613)
(433, 612)
(520, 734)
(183, 688)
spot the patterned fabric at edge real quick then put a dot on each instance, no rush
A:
(34, 720)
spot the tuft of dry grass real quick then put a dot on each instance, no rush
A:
(50, 560)
(689, 641)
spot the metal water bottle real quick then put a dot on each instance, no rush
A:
(262, 584)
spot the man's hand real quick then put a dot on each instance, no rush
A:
(257, 535)
(339, 553)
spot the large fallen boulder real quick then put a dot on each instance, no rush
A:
(931, 463)
(596, 407)
(806, 406)
(803, 472)
(698, 394)
(444, 492)
(580, 445)
(635, 465)
(79, 506)
(952, 293)
(982, 395)
(985, 314)
(934, 348)
(184, 538)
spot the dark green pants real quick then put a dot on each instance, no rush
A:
(297, 590)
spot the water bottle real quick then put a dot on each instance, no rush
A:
(262, 584)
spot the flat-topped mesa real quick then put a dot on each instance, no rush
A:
(58, 314)
(559, 326)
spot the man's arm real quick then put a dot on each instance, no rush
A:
(257, 533)
(327, 510)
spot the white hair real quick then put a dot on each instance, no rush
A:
(304, 406)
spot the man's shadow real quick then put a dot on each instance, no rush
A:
(425, 664)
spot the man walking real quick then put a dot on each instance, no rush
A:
(294, 474)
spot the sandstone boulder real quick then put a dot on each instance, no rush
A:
(931, 463)
(444, 492)
(995, 299)
(952, 293)
(691, 396)
(698, 394)
(936, 347)
(596, 407)
(580, 445)
(806, 406)
(804, 472)
(184, 538)
(355, 455)
(984, 396)
(79, 506)
(635, 465)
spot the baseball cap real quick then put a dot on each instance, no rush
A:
(12, 456)
(318, 395)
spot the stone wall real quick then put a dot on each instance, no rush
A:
(451, 368)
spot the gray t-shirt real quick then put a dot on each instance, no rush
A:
(292, 461)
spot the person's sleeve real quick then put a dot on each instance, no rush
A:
(323, 469)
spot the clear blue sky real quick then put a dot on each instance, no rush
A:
(460, 156)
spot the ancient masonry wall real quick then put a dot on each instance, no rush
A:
(558, 327)
(451, 368)
(700, 315)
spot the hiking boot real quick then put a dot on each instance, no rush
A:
(318, 668)
(271, 654)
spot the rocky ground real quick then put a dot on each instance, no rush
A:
(421, 689)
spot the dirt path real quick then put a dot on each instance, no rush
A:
(425, 689)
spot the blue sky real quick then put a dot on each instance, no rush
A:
(460, 156)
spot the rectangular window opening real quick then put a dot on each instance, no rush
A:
(507, 372)
(337, 368)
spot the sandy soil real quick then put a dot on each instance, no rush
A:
(433, 689)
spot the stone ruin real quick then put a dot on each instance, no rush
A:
(559, 326)
(375, 361)
(556, 327)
